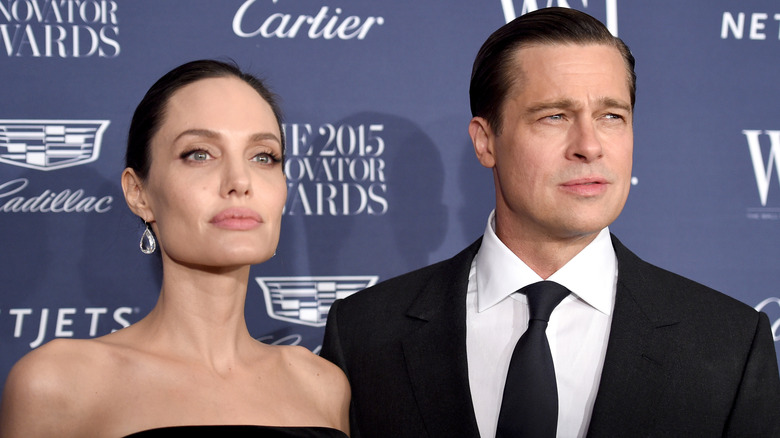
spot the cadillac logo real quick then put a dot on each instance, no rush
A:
(306, 300)
(50, 144)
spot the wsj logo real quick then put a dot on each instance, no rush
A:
(59, 28)
(763, 172)
(326, 23)
(306, 300)
(764, 306)
(50, 144)
(510, 12)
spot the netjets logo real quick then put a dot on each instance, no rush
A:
(759, 142)
(50, 144)
(510, 12)
(306, 300)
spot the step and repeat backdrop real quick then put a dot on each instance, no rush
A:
(381, 173)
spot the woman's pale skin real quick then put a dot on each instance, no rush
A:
(214, 198)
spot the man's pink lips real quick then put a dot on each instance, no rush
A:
(587, 186)
(237, 218)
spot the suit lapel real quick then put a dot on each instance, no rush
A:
(435, 354)
(638, 357)
(636, 365)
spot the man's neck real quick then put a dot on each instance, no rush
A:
(545, 255)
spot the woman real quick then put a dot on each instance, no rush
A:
(204, 172)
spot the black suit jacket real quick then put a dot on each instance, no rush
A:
(682, 359)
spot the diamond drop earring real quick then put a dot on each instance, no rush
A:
(148, 243)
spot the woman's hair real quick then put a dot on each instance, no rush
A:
(150, 112)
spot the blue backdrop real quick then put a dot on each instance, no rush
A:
(382, 176)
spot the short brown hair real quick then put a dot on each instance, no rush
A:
(490, 81)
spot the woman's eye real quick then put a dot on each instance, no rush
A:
(198, 155)
(264, 158)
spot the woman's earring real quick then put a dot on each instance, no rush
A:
(148, 243)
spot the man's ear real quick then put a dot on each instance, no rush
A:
(135, 195)
(483, 140)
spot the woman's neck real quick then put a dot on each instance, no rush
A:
(200, 315)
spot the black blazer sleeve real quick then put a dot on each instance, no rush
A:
(756, 409)
(684, 360)
(332, 351)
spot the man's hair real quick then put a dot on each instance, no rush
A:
(491, 78)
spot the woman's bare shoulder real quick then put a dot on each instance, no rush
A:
(309, 365)
(325, 383)
(54, 365)
(52, 386)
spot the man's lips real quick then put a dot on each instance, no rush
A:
(237, 219)
(589, 186)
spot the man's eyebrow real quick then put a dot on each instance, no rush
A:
(608, 102)
(567, 104)
(556, 104)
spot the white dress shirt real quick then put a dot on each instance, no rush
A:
(578, 330)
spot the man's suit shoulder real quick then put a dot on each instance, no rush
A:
(400, 291)
(671, 292)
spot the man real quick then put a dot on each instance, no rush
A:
(636, 350)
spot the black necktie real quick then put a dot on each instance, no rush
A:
(530, 404)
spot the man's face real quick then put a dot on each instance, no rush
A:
(562, 163)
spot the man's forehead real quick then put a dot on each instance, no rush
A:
(520, 52)
(517, 71)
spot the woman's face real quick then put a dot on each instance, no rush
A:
(216, 188)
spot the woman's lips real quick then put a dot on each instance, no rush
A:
(240, 219)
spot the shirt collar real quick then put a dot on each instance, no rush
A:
(591, 275)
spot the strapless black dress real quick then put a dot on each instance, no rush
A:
(241, 431)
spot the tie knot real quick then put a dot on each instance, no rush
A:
(543, 296)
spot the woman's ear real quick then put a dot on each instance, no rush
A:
(135, 195)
